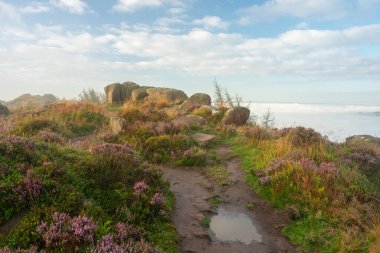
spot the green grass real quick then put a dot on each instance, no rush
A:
(310, 233)
(215, 201)
(205, 222)
(219, 174)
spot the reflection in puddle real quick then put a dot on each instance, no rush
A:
(231, 226)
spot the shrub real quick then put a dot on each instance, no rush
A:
(203, 112)
(194, 156)
(31, 126)
(301, 137)
(50, 137)
(257, 133)
(163, 148)
(112, 162)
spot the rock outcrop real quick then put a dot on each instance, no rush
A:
(166, 96)
(237, 116)
(188, 121)
(3, 110)
(119, 93)
(117, 125)
(200, 99)
(139, 94)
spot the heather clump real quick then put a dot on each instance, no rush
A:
(328, 190)
(300, 136)
(66, 231)
(195, 156)
(164, 148)
(69, 119)
(50, 137)
(257, 133)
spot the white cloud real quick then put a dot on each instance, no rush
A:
(8, 12)
(52, 55)
(73, 6)
(35, 7)
(273, 9)
(211, 22)
(134, 5)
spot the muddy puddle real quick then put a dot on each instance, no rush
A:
(230, 226)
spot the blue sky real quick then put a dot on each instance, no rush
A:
(317, 51)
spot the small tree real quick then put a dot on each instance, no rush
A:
(268, 119)
(91, 96)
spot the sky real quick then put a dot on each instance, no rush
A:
(306, 51)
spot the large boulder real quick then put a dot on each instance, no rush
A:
(237, 116)
(200, 99)
(139, 94)
(166, 96)
(188, 121)
(118, 93)
(3, 110)
(129, 88)
(117, 125)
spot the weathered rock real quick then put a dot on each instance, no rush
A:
(166, 95)
(203, 139)
(200, 99)
(139, 94)
(237, 116)
(188, 121)
(129, 88)
(114, 93)
(3, 110)
(365, 141)
(119, 93)
(187, 107)
(117, 125)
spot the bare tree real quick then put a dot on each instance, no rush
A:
(229, 99)
(238, 100)
(219, 98)
(267, 119)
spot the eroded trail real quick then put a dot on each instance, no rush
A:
(234, 227)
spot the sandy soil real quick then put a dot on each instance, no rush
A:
(192, 190)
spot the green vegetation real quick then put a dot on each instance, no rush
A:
(63, 199)
(327, 189)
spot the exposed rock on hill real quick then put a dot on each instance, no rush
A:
(188, 121)
(200, 99)
(237, 116)
(118, 93)
(30, 101)
(166, 96)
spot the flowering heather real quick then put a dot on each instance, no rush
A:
(108, 245)
(50, 137)
(140, 188)
(366, 159)
(13, 142)
(308, 164)
(33, 249)
(29, 188)
(126, 232)
(158, 199)
(83, 228)
(275, 164)
(163, 127)
(264, 180)
(329, 168)
(58, 233)
(65, 230)
(112, 149)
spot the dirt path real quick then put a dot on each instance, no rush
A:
(193, 191)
